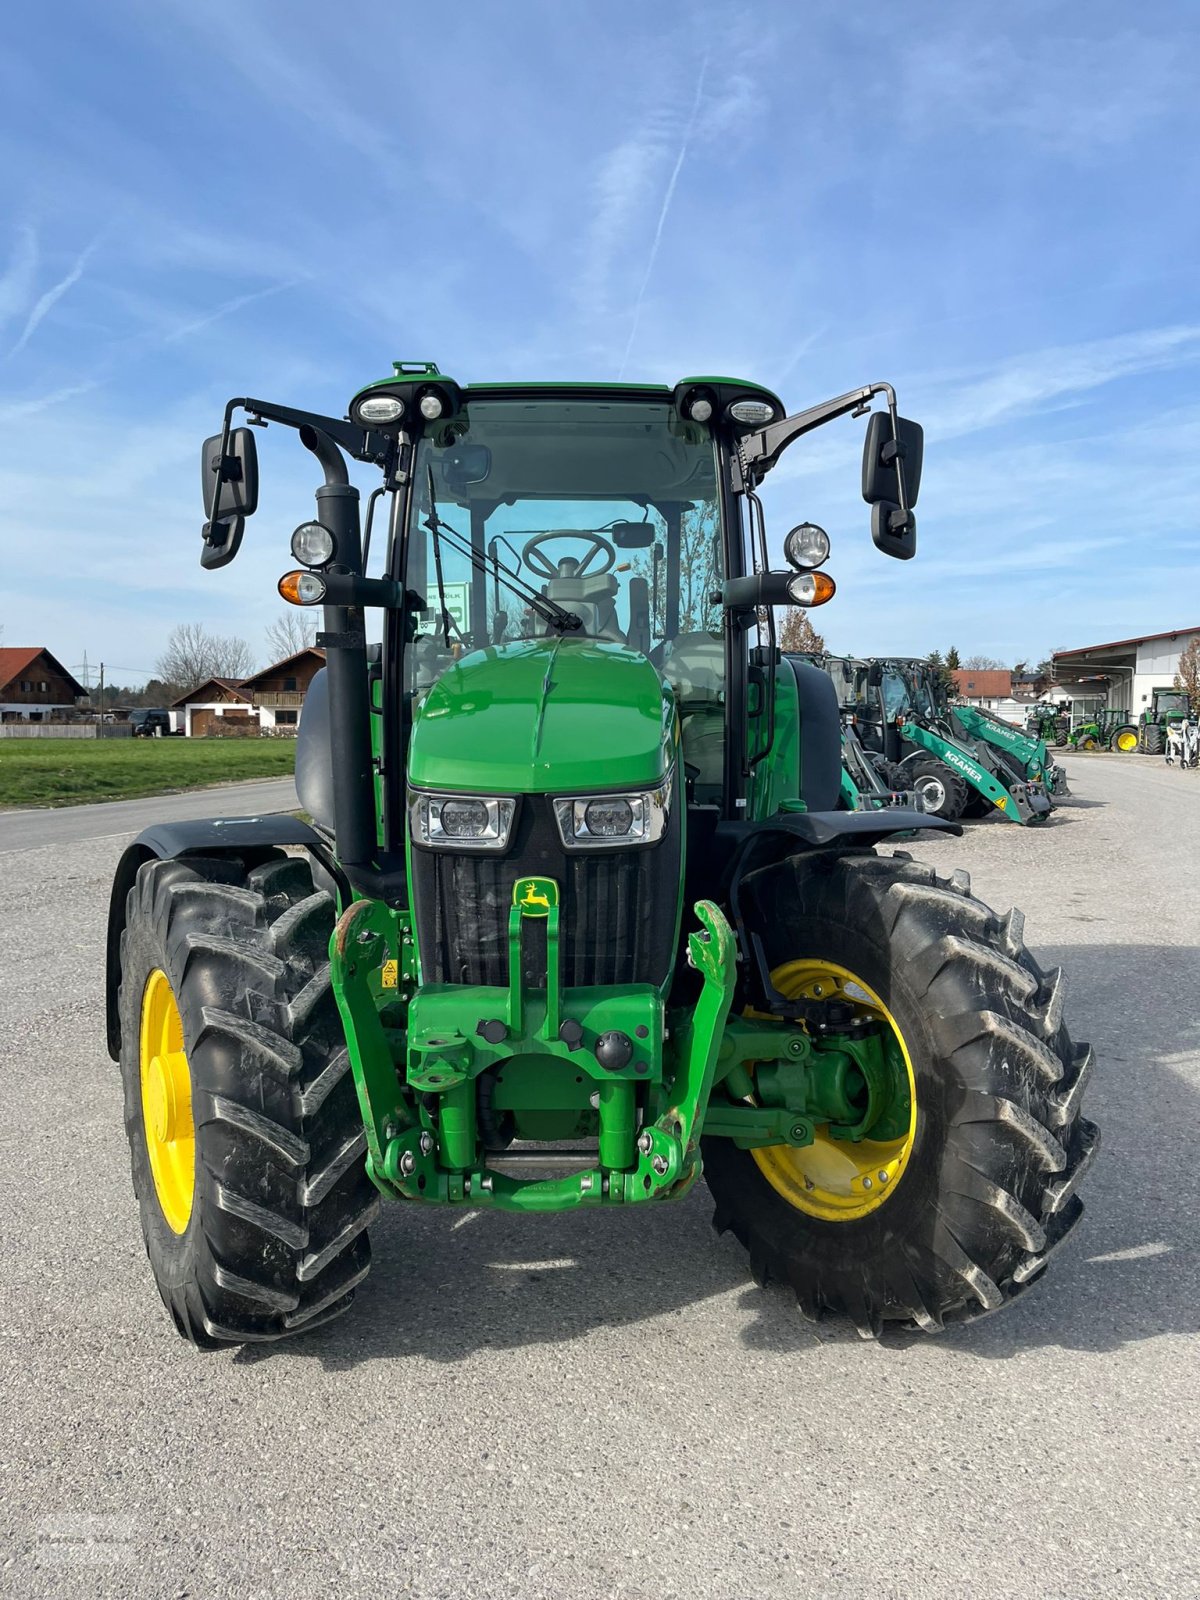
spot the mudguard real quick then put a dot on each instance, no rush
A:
(209, 837)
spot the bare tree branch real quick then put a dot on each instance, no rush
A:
(293, 631)
(193, 654)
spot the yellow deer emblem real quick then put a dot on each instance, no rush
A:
(536, 897)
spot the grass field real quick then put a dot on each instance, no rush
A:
(66, 772)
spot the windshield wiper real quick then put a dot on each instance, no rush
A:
(554, 615)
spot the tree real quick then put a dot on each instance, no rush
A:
(983, 664)
(293, 631)
(193, 654)
(941, 670)
(953, 660)
(797, 634)
(1187, 678)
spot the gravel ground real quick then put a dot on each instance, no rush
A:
(602, 1404)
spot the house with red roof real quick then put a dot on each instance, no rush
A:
(35, 686)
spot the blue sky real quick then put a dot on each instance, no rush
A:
(992, 209)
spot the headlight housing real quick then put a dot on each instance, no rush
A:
(613, 821)
(461, 821)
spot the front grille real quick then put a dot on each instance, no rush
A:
(616, 908)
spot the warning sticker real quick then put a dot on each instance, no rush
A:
(390, 975)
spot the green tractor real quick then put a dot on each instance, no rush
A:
(1168, 708)
(902, 715)
(576, 916)
(1050, 721)
(1108, 730)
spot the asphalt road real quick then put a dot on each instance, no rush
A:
(603, 1404)
(112, 819)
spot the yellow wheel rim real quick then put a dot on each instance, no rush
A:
(1127, 741)
(834, 1179)
(167, 1102)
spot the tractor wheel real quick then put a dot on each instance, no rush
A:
(1152, 739)
(1124, 740)
(1087, 741)
(244, 1131)
(942, 790)
(952, 1211)
(1062, 732)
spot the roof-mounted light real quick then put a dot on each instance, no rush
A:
(379, 408)
(752, 413)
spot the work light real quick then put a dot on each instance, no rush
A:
(380, 408)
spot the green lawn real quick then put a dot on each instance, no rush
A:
(67, 772)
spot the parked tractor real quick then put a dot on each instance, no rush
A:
(1168, 709)
(1050, 721)
(576, 916)
(1108, 730)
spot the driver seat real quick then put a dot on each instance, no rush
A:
(593, 599)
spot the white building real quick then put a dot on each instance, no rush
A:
(1122, 674)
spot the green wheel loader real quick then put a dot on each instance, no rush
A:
(904, 718)
(869, 783)
(576, 917)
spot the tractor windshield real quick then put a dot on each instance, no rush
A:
(526, 512)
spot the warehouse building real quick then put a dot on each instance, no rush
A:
(1122, 674)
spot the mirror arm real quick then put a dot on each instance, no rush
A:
(758, 452)
(358, 442)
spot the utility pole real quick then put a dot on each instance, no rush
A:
(102, 691)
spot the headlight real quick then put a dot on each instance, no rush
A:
(806, 546)
(431, 406)
(461, 821)
(312, 543)
(595, 821)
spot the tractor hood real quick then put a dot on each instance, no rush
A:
(543, 716)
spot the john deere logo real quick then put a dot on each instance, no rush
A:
(535, 896)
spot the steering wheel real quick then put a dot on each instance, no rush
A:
(534, 558)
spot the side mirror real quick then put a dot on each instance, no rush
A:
(874, 675)
(882, 453)
(230, 486)
(894, 531)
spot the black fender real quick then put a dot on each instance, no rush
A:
(216, 837)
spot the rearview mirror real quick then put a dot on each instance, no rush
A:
(880, 455)
(230, 486)
(466, 464)
(874, 675)
(632, 535)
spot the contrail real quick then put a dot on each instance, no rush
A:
(50, 299)
(17, 280)
(662, 214)
(185, 329)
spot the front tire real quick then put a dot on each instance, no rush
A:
(1152, 739)
(986, 1188)
(245, 1138)
(941, 789)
